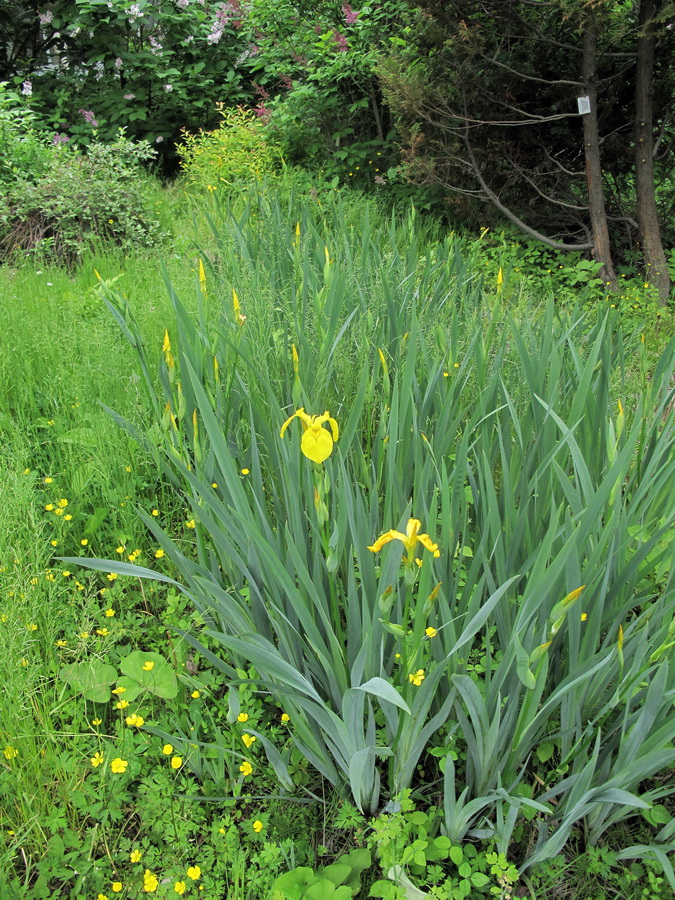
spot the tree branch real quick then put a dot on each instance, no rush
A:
(522, 75)
(542, 194)
(511, 216)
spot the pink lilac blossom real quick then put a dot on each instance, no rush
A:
(46, 17)
(168, 88)
(60, 139)
(118, 62)
(89, 117)
(27, 89)
(340, 41)
(235, 12)
(349, 14)
(182, 4)
(261, 111)
(130, 96)
(231, 13)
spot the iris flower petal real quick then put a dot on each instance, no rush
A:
(316, 444)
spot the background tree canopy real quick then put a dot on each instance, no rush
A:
(480, 98)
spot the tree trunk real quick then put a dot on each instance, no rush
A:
(656, 268)
(596, 201)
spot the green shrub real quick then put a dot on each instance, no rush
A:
(240, 150)
(23, 150)
(78, 201)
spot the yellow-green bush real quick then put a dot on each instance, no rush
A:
(240, 150)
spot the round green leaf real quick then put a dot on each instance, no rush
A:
(157, 677)
(92, 677)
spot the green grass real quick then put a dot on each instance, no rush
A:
(352, 280)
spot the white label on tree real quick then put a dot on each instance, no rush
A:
(584, 105)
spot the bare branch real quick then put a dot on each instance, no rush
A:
(527, 77)
(542, 194)
(560, 165)
(511, 216)
(464, 119)
(627, 219)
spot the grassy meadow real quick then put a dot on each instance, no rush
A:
(419, 646)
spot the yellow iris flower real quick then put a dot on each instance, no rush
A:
(317, 441)
(409, 539)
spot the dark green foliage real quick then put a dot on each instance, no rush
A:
(78, 200)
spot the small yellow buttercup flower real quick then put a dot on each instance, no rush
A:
(285, 718)
(179, 887)
(195, 694)
(159, 553)
(246, 768)
(97, 759)
(258, 826)
(118, 766)
(176, 762)
(430, 632)
(242, 717)
(167, 749)
(121, 704)
(10, 752)
(248, 739)
(135, 856)
(155, 512)
(135, 721)
(148, 665)
(103, 632)
(417, 677)
(96, 722)
(111, 576)
(118, 690)
(245, 471)
(116, 887)
(150, 882)
(194, 872)
(109, 613)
